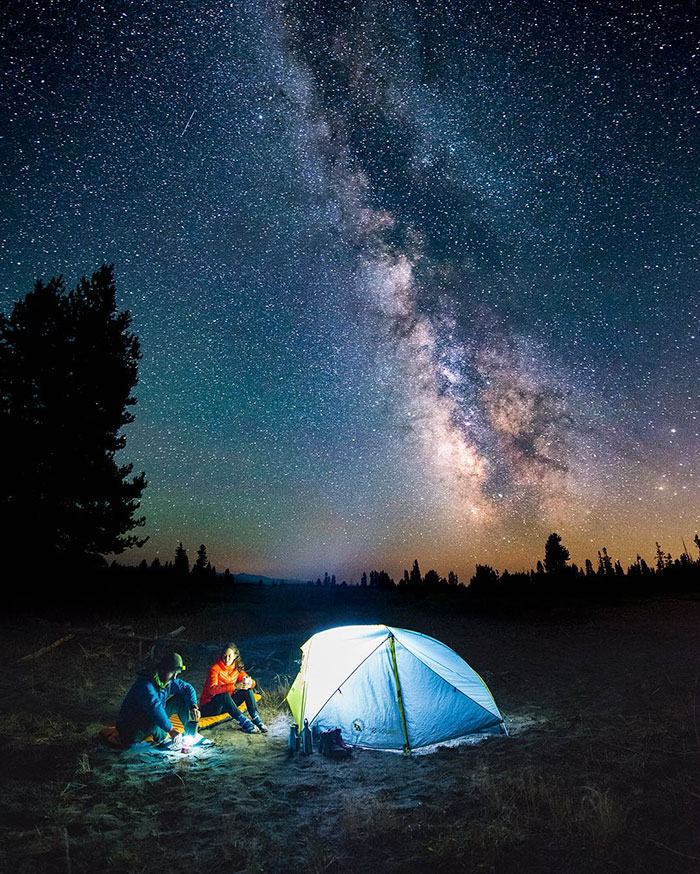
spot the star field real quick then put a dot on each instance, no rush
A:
(411, 279)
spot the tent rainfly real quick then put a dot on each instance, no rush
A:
(389, 689)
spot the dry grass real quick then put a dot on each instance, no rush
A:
(369, 819)
(37, 728)
(83, 765)
(273, 696)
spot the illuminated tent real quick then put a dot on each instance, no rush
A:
(389, 688)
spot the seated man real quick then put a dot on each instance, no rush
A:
(153, 698)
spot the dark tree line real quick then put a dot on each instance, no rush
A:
(68, 365)
(555, 579)
(177, 584)
(179, 572)
(411, 583)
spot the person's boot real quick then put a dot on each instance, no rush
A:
(246, 725)
(260, 724)
(338, 740)
(330, 747)
(323, 742)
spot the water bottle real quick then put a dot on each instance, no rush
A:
(293, 739)
(308, 742)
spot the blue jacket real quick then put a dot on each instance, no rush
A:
(143, 707)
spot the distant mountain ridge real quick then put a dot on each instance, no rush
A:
(267, 581)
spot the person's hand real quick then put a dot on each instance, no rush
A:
(195, 714)
(173, 733)
(248, 682)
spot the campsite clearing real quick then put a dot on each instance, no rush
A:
(600, 771)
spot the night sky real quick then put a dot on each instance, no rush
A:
(411, 279)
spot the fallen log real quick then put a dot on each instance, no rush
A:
(45, 649)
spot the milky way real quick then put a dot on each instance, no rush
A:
(411, 279)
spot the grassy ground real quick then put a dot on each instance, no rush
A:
(600, 772)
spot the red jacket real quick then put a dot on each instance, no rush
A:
(221, 679)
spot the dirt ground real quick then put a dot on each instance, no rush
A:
(599, 773)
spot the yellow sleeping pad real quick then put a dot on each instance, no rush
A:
(110, 735)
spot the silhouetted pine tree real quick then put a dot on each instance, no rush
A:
(181, 565)
(555, 555)
(431, 582)
(605, 565)
(68, 364)
(660, 558)
(415, 580)
(384, 581)
(201, 564)
(485, 580)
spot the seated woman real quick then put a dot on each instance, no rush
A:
(227, 685)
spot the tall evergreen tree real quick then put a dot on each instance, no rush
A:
(484, 581)
(660, 558)
(606, 565)
(383, 581)
(68, 364)
(415, 579)
(556, 555)
(181, 565)
(199, 568)
(432, 581)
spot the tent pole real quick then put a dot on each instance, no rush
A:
(407, 746)
(303, 692)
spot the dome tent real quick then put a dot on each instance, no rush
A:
(389, 688)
